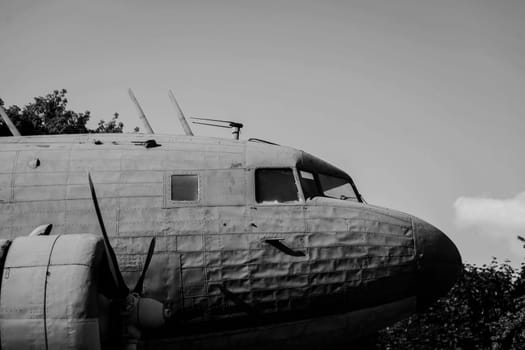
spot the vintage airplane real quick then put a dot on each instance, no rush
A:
(228, 243)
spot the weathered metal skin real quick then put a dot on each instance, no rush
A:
(362, 267)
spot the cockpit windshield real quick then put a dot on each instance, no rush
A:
(336, 187)
(318, 184)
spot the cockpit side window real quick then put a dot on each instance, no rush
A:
(275, 185)
(336, 187)
(309, 185)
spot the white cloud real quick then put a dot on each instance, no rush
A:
(499, 213)
(503, 219)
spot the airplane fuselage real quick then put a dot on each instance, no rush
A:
(235, 266)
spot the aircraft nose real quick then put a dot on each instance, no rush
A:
(439, 263)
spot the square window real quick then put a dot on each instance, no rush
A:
(184, 187)
(275, 185)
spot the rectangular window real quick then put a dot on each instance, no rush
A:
(275, 185)
(184, 187)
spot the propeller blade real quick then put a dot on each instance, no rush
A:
(140, 282)
(122, 289)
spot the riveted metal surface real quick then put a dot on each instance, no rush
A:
(5, 187)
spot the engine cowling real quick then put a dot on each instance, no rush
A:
(49, 294)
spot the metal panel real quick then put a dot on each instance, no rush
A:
(276, 218)
(163, 280)
(95, 159)
(50, 160)
(143, 176)
(5, 187)
(190, 243)
(193, 280)
(7, 160)
(33, 176)
(225, 187)
(39, 193)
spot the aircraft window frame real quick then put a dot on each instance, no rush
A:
(314, 178)
(347, 181)
(300, 196)
(319, 187)
(169, 202)
(188, 184)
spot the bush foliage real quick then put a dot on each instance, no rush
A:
(485, 310)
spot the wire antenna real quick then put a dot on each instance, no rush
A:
(228, 124)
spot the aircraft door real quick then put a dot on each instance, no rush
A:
(276, 221)
(276, 202)
(188, 219)
(205, 212)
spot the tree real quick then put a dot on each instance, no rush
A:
(49, 115)
(110, 127)
(484, 310)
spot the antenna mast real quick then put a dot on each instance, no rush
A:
(229, 125)
(9, 123)
(182, 118)
(142, 116)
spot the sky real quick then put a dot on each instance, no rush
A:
(421, 102)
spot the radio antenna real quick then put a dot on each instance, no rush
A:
(182, 118)
(142, 116)
(226, 124)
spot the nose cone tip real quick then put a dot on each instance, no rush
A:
(439, 264)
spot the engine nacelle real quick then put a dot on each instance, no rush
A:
(49, 292)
